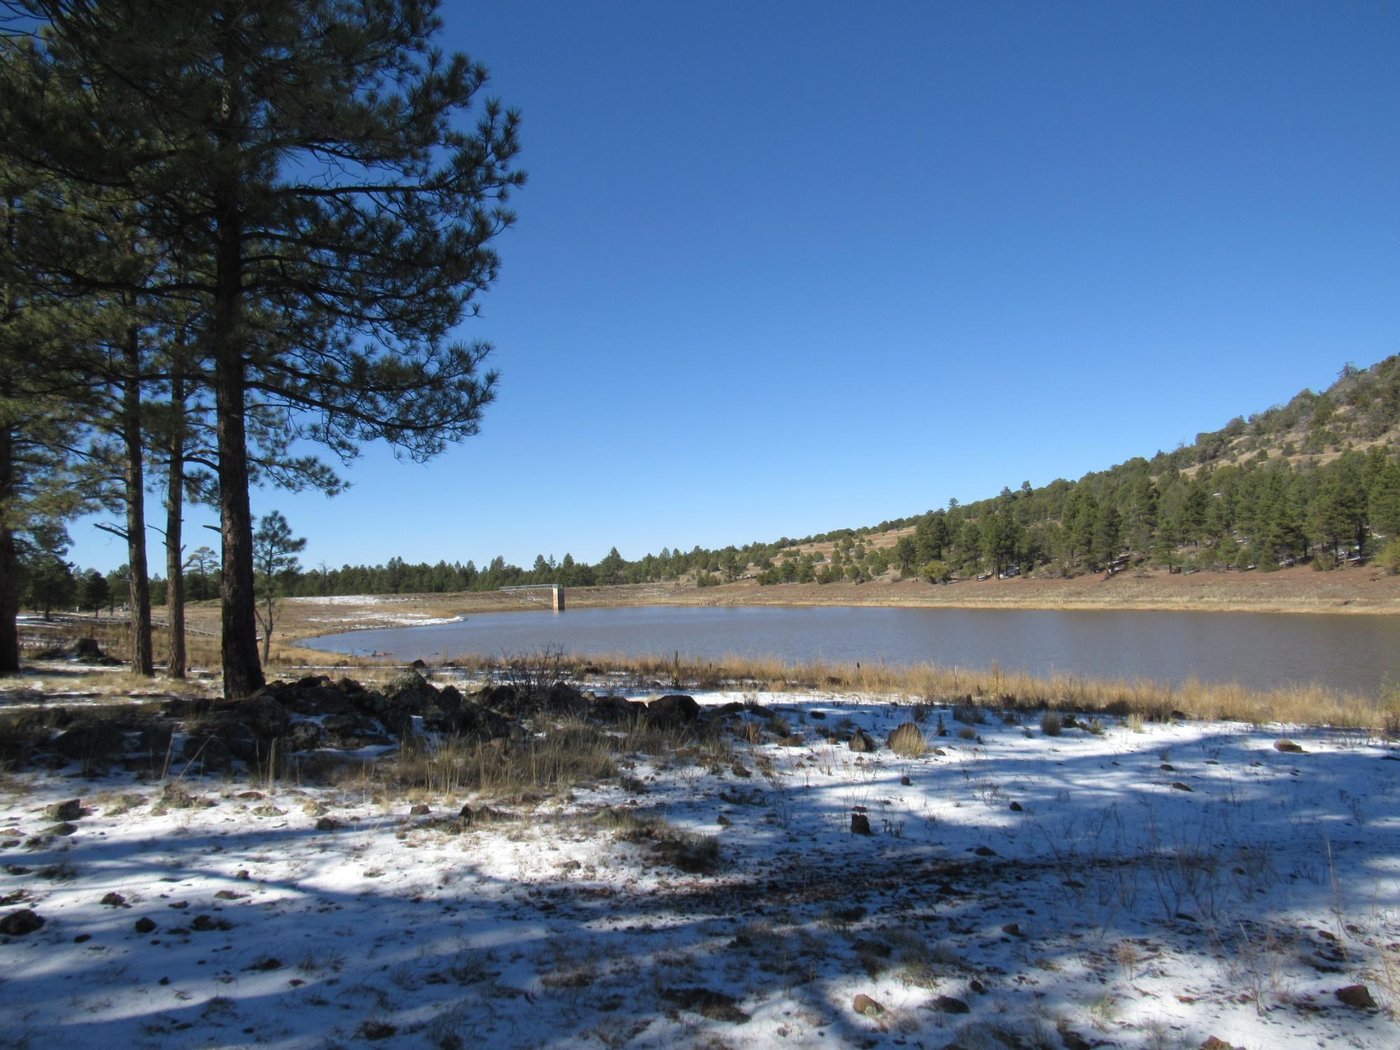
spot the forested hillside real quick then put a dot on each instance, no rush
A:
(1314, 480)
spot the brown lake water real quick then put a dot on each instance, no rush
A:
(1355, 653)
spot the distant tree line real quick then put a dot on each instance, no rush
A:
(1245, 497)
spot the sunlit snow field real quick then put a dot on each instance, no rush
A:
(1147, 885)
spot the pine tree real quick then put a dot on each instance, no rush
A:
(305, 157)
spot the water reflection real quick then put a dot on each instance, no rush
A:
(1356, 653)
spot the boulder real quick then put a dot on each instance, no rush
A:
(1357, 996)
(498, 697)
(616, 709)
(564, 699)
(91, 742)
(866, 1006)
(211, 754)
(19, 923)
(63, 811)
(476, 722)
(410, 690)
(673, 709)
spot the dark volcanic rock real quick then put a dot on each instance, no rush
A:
(673, 709)
(1357, 996)
(70, 810)
(616, 709)
(19, 923)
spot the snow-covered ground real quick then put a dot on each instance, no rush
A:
(368, 610)
(1150, 886)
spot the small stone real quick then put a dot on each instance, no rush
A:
(115, 900)
(950, 1005)
(906, 780)
(375, 1030)
(19, 923)
(860, 824)
(328, 824)
(145, 924)
(420, 810)
(985, 851)
(1016, 807)
(866, 1006)
(1288, 747)
(1357, 996)
(1179, 786)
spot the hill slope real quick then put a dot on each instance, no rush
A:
(1313, 480)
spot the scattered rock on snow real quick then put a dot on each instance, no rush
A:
(866, 1006)
(1288, 747)
(64, 811)
(1357, 996)
(707, 1003)
(19, 923)
(860, 824)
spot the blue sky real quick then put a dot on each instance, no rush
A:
(785, 267)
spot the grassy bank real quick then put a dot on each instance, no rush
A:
(925, 683)
(990, 691)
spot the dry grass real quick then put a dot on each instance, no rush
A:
(566, 756)
(907, 741)
(1305, 704)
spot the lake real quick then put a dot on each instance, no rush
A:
(1356, 653)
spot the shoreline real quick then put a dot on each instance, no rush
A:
(1292, 592)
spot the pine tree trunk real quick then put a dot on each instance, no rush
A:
(9, 561)
(243, 674)
(174, 521)
(138, 578)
